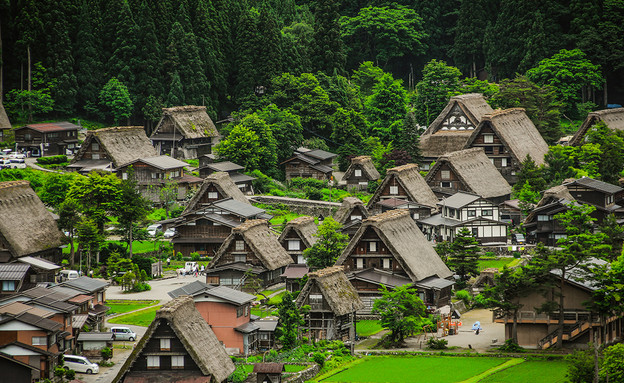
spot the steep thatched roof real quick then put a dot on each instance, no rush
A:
(406, 243)
(224, 185)
(305, 229)
(26, 225)
(366, 164)
(335, 288)
(613, 118)
(261, 240)
(348, 204)
(437, 141)
(414, 184)
(194, 333)
(517, 132)
(122, 144)
(191, 121)
(475, 170)
(4, 119)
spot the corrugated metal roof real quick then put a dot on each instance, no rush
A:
(596, 185)
(39, 263)
(52, 127)
(225, 166)
(295, 271)
(86, 284)
(13, 271)
(238, 178)
(162, 162)
(17, 308)
(228, 294)
(79, 320)
(239, 208)
(95, 336)
(34, 320)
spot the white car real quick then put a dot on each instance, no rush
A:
(153, 229)
(80, 364)
(169, 233)
(124, 333)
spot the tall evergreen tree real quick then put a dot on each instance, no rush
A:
(386, 107)
(328, 52)
(89, 59)
(468, 47)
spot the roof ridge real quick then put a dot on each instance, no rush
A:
(387, 216)
(402, 168)
(250, 224)
(503, 112)
(12, 184)
(326, 272)
(115, 128)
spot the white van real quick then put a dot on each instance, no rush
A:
(68, 275)
(80, 364)
(154, 229)
(123, 333)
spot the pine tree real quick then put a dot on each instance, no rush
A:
(175, 97)
(89, 59)
(464, 254)
(328, 52)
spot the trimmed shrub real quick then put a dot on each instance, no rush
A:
(437, 344)
(52, 160)
(303, 183)
(464, 296)
(107, 353)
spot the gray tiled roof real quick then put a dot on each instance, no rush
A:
(39, 263)
(596, 185)
(231, 295)
(163, 162)
(225, 166)
(239, 208)
(459, 200)
(86, 284)
(320, 154)
(13, 271)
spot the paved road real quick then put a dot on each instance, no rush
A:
(159, 290)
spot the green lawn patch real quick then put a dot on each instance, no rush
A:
(498, 263)
(120, 306)
(263, 312)
(275, 300)
(138, 247)
(415, 369)
(533, 371)
(294, 367)
(368, 327)
(141, 318)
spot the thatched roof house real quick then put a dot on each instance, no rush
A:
(450, 131)
(119, 146)
(337, 291)
(203, 355)
(360, 172)
(613, 118)
(4, 121)
(188, 130)
(215, 187)
(26, 227)
(404, 182)
(468, 170)
(351, 208)
(301, 227)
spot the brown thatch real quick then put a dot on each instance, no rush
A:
(194, 333)
(471, 108)
(224, 185)
(517, 133)
(122, 144)
(554, 194)
(268, 368)
(4, 119)
(305, 229)
(261, 240)
(475, 170)
(406, 243)
(335, 288)
(613, 118)
(366, 164)
(26, 226)
(414, 184)
(348, 204)
(190, 121)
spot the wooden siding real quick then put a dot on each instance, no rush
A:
(366, 258)
(498, 152)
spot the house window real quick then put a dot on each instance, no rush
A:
(316, 300)
(177, 361)
(394, 190)
(95, 146)
(124, 176)
(240, 245)
(53, 135)
(165, 344)
(416, 215)
(475, 232)
(445, 184)
(486, 213)
(95, 156)
(154, 175)
(354, 217)
(372, 247)
(359, 263)
(300, 259)
(489, 150)
(8, 285)
(503, 162)
(472, 213)
(294, 244)
(240, 311)
(488, 138)
(543, 218)
(27, 136)
(240, 257)
(446, 174)
(39, 341)
(426, 166)
(451, 213)
(358, 172)
(610, 199)
(387, 263)
(153, 362)
(213, 195)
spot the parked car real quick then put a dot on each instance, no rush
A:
(518, 239)
(17, 163)
(124, 333)
(5, 163)
(68, 275)
(188, 267)
(169, 233)
(154, 229)
(80, 364)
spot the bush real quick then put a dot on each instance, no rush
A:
(107, 353)
(59, 372)
(239, 375)
(479, 301)
(140, 287)
(319, 358)
(464, 296)
(437, 344)
(511, 346)
(580, 367)
(303, 183)
(70, 374)
(195, 256)
(313, 194)
(52, 160)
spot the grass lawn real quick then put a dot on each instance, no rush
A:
(277, 299)
(415, 369)
(368, 327)
(120, 306)
(533, 371)
(498, 263)
(138, 247)
(279, 219)
(141, 318)
(289, 367)
(263, 313)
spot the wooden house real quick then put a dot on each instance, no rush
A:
(16, 277)
(508, 137)
(227, 312)
(450, 131)
(47, 139)
(204, 230)
(5, 124)
(243, 181)
(350, 215)
(468, 170)
(215, 187)
(307, 163)
(360, 173)
(465, 210)
(298, 235)
(93, 291)
(15, 371)
(111, 148)
(268, 372)
(178, 346)
(333, 302)
(390, 250)
(251, 248)
(152, 173)
(91, 344)
(581, 326)
(27, 228)
(185, 132)
(613, 118)
(405, 183)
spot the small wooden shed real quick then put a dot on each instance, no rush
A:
(91, 344)
(268, 372)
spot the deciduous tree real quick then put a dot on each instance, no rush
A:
(400, 310)
(328, 247)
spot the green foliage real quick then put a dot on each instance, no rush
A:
(319, 358)
(302, 183)
(437, 344)
(328, 247)
(580, 367)
(52, 160)
(612, 369)
(464, 254)
(24, 104)
(439, 82)
(106, 353)
(289, 322)
(465, 296)
(400, 310)
(511, 346)
(70, 375)
(386, 108)
(328, 48)
(116, 98)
